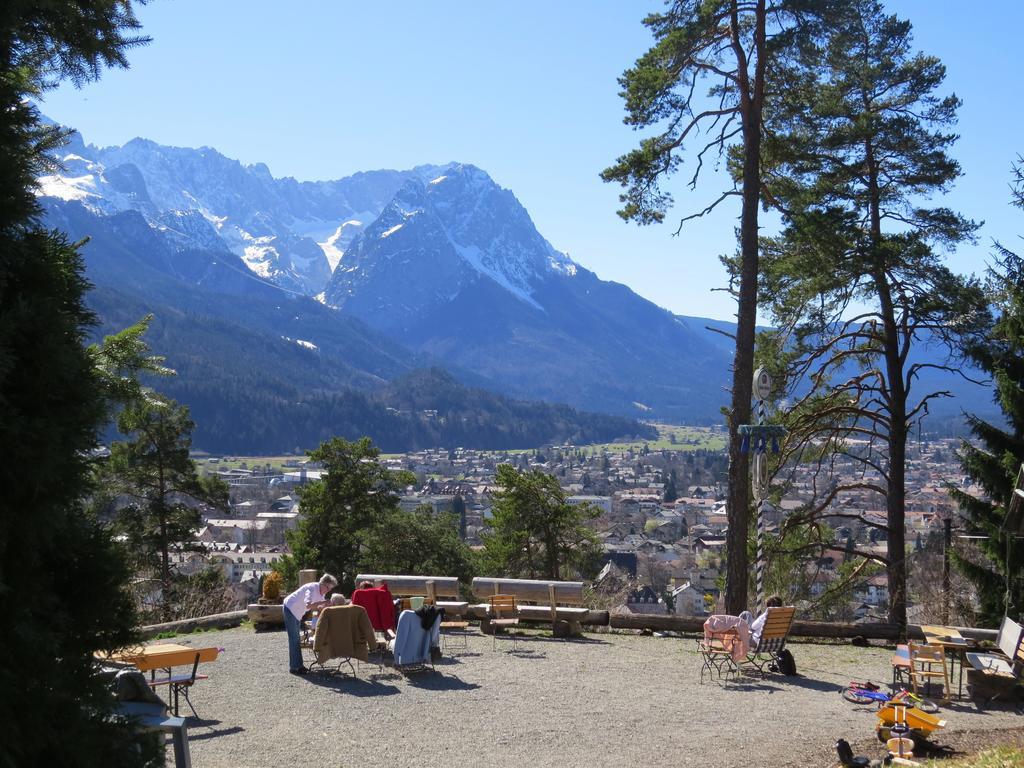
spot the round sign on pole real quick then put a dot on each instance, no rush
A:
(762, 384)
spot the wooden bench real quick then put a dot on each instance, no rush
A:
(1004, 668)
(558, 602)
(442, 590)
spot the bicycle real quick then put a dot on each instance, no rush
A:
(868, 693)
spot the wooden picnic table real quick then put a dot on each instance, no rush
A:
(148, 658)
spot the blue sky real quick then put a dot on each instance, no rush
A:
(527, 91)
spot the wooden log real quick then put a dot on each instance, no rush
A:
(971, 633)
(265, 614)
(414, 586)
(535, 590)
(216, 621)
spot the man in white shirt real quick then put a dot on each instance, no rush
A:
(305, 598)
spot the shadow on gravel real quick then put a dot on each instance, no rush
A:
(810, 683)
(195, 735)
(570, 640)
(354, 686)
(441, 683)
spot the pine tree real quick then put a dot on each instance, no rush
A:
(535, 532)
(736, 48)
(995, 459)
(62, 578)
(356, 494)
(856, 280)
(154, 471)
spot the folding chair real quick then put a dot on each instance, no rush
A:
(503, 613)
(716, 652)
(928, 662)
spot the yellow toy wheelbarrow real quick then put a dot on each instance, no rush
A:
(921, 724)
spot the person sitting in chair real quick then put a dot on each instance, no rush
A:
(757, 625)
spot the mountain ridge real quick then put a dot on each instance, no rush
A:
(438, 260)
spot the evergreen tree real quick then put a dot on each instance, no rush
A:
(356, 493)
(671, 494)
(417, 542)
(62, 578)
(995, 459)
(856, 280)
(154, 470)
(459, 510)
(535, 532)
(736, 48)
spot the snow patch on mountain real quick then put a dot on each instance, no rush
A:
(302, 343)
(482, 263)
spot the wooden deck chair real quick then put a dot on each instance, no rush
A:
(773, 638)
(928, 662)
(503, 612)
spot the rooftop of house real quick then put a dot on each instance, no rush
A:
(609, 698)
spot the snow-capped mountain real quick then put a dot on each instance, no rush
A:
(440, 258)
(290, 233)
(434, 239)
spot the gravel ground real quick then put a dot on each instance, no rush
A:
(607, 699)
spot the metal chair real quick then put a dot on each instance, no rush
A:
(716, 652)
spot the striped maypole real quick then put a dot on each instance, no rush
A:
(760, 475)
(759, 446)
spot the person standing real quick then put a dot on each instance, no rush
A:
(305, 598)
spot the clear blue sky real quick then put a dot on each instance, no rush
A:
(527, 91)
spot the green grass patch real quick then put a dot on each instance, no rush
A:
(671, 437)
(1001, 757)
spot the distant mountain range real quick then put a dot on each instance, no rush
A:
(343, 286)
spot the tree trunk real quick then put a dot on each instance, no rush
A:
(895, 497)
(895, 501)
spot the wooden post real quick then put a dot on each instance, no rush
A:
(551, 601)
(307, 575)
(431, 592)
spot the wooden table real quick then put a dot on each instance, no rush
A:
(148, 658)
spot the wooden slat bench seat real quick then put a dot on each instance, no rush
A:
(1006, 667)
(558, 602)
(152, 717)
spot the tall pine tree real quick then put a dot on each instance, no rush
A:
(858, 279)
(995, 458)
(735, 49)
